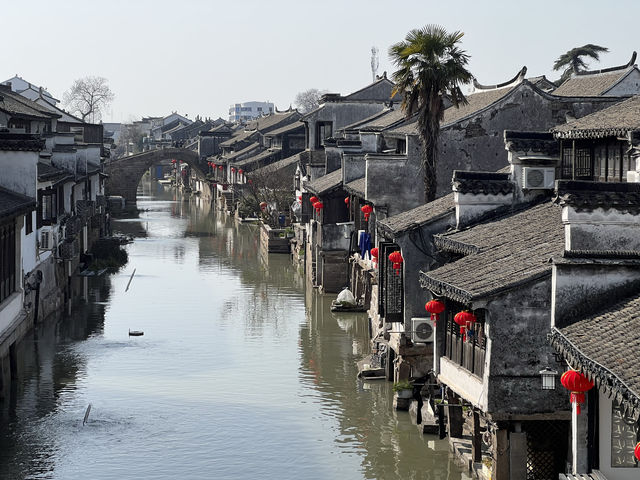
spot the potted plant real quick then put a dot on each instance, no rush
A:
(403, 388)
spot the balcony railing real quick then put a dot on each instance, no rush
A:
(469, 353)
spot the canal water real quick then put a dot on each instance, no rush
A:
(241, 372)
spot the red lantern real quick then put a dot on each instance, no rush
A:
(263, 205)
(374, 253)
(435, 308)
(318, 206)
(346, 201)
(577, 384)
(313, 199)
(219, 167)
(173, 161)
(366, 209)
(636, 451)
(300, 198)
(233, 169)
(396, 259)
(466, 320)
(240, 171)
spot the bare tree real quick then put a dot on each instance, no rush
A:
(308, 100)
(87, 97)
(275, 187)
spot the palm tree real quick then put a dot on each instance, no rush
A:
(431, 66)
(572, 61)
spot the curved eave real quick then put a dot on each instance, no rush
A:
(606, 381)
(592, 133)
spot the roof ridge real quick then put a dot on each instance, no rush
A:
(630, 63)
(517, 79)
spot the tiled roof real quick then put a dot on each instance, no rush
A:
(290, 128)
(589, 196)
(615, 120)
(13, 204)
(500, 254)
(379, 121)
(51, 173)
(21, 142)
(419, 216)
(291, 161)
(606, 348)
(255, 159)
(487, 183)
(273, 121)
(326, 183)
(357, 187)
(590, 84)
(239, 137)
(16, 104)
(232, 156)
(476, 102)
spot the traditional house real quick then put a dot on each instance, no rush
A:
(596, 291)
(618, 81)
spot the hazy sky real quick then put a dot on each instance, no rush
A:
(200, 56)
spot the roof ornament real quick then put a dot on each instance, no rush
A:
(514, 81)
(629, 64)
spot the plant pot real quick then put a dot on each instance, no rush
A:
(405, 393)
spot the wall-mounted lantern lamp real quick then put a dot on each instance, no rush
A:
(548, 378)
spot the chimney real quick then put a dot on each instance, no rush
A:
(476, 193)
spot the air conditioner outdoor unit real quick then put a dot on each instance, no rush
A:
(422, 330)
(537, 178)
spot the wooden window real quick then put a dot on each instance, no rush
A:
(567, 164)
(401, 146)
(469, 352)
(28, 223)
(324, 130)
(7, 259)
(390, 291)
(584, 164)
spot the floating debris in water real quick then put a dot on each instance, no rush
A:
(86, 415)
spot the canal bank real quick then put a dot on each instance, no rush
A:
(241, 372)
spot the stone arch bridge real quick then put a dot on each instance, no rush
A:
(125, 172)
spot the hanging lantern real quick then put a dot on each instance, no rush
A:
(263, 206)
(346, 201)
(374, 253)
(233, 169)
(465, 319)
(313, 199)
(577, 384)
(318, 206)
(173, 161)
(240, 171)
(219, 167)
(435, 308)
(366, 209)
(636, 451)
(396, 259)
(299, 198)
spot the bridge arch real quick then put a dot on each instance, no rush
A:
(125, 172)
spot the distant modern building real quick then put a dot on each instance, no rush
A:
(242, 112)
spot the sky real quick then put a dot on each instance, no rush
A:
(197, 57)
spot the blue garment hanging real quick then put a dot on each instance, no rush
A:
(365, 244)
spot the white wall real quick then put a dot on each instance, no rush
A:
(605, 445)
(19, 172)
(28, 245)
(630, 85)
